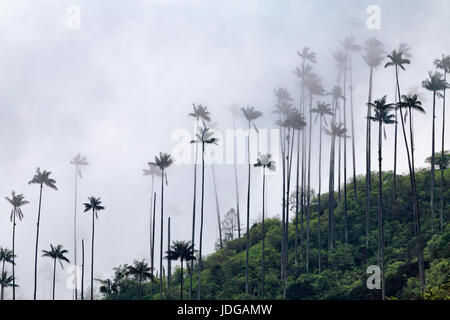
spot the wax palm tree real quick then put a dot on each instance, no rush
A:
(6, 282)
(322, 110)
(335, 130)
(396, 60)
(16, 201)
(382, 116)
(163, 161)
(200, 113)
(78, 161)
(349, 47)
(6, 256)
(373, 56)
(94, 204)
(142, 272)
(152, 171)
(204, 137)
(265, 162)
(444, 65)
(235, 112)
(183, 251)
(107, 287)
(250, 114)
(57, 253)
(435, 83)
(41, 178)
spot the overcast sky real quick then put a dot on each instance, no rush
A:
(116, 90)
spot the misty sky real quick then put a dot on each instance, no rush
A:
(116, 89)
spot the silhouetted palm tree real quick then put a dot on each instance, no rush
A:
(435, 84)
(374, 55)
(6, 256)
(16, 201)
(6, 282)
(382, 116)
(41, 178)
(77, 161)
(204, 137)
(321, 110)
(183, 251)
(141, 271)
(334, 130)
(264, 161)
(94, 204)
(349, 47)
(163, 162)
(56, 253)
(250, 115)
(444, 65)
(200, 113)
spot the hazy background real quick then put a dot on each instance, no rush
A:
(116, 89)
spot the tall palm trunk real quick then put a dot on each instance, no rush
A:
(263, 235)
(2, 287)
(345, 158)
(394, 191)
(380, 210)
(37, 242)
(54, 278)
(308, 189)
(82, 269)
(296, 198)
(153, 240)
(368, 149)
(331, 195)
(248, 214)
(236, 182)
(319, 200)
(416, 212)
(169, 262)
(75, 231)
(432, 182)
(442, 155)
(181, 282)
(217, 204)
(92, 252)
(161, 237)
(353, 129)
(14, 254)
(193, 214)
(151, 219)
(200, 261)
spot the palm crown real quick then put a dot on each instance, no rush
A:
(6, 255)
(56, 252)
(283, 105)
(205, 136)
(435, 82)
(163, 161)
(322, 109)
(410, 102)
(443, 63)
(78, 161)
(43, 178)
(7, 281)
(382, 111)
(374, 52)
(314, 85)
(336, 130)
(397, 60)
(17, 201)
(200, 112)
(181, 250)
(152, 170)
(140, 270)
(265, 161)
(349, 44)
(93, 204)
(307, 55)
(341, 60)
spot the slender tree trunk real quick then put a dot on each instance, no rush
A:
(2, 287)
(92, 250)
(37, 243)
(331, 196)
(151, 219)
(193, 215)
(394, 191)
(153, 241)
(353, 131)
(169, 262)
(442, 154)
(263, 234)
(161, 238)
(200, 260)
(181, 282)
(75, 232)
(345, 157)
(14, 254)
(248, 214)
(296, 198)
(54, 277)
(217, 205)
(319, 192)
(368, 148)
(236, 182)
(432, 162)
(380, 209)
(308, 189)
(82, 269)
